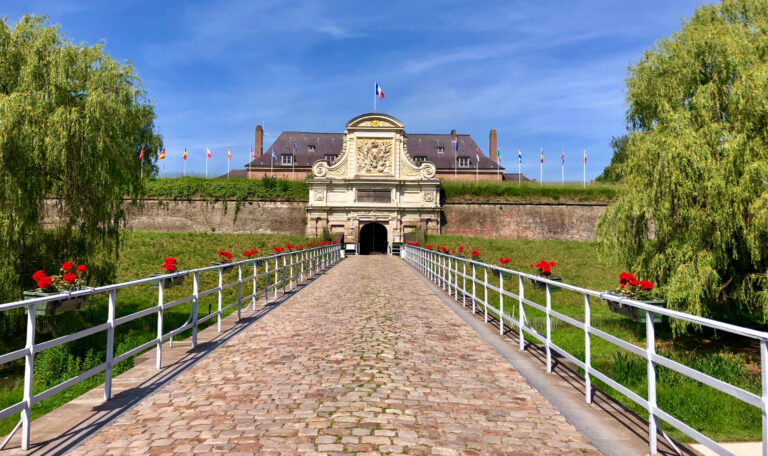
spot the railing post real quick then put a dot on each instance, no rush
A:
(29, 368)
(291, 283)
(195, 302)
(764, 382)
(501, 303)
(449, 272)
(266, 281)
(464, 284)
(650, 350)
(474, 293)
(239, 288)
(456, 279)
(587, 351)
(485, 304)
(159, 347)
(110, 344)
(254, 279)
(549, 329)
(220, 295)
(277, 267)
(283, 271)
(521, 309)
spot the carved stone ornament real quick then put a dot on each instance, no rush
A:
(428, 170)
(374, 156)
(320, 169)
(319, 195)
(429, 197)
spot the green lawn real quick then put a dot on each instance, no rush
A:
(142, 254)
(734, 360)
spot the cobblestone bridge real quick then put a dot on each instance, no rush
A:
(366, 359)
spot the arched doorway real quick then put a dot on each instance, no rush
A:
(373, 239)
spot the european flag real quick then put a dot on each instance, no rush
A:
(274, 157)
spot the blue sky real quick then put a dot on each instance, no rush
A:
(544, 74)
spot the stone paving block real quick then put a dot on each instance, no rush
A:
(365, 360)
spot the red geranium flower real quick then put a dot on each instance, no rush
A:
(82, 267)
(44, 282)
(171, 260)
(646, 285)
(70, 278)
(67, 266)
(37, 275)
(170, 267)
(475, 253)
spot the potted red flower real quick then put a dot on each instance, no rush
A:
(224, 258)
(475, 255)
(544, 269)
(503, 262)
(248, 254)
(641, 290)
(69, 278)
(169, 266)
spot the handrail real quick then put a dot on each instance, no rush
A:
(303, 264)
(443, 269)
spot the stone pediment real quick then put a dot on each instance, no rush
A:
(375, 120)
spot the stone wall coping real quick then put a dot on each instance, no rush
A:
(523, 203)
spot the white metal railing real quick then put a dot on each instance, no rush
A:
(287, 270)
(453, 273)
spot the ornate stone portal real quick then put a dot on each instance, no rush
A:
(373, 180)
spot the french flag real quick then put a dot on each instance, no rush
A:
(379, 92)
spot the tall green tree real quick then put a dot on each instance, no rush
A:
(693, 211)
(613, 172)
(72, 121)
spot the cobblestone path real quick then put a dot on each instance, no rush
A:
(364, 360)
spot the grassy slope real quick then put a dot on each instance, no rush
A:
(715, 414)
(142, 254)
(510, 191)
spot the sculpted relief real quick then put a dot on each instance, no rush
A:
(374, 156)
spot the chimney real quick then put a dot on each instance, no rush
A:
(258, 143)
(453, 135)
(492, 146)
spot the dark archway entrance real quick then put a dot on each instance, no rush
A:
(373, 239)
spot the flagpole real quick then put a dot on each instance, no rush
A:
(185, 167)
(375, 95)
(206, 164)
(163, 167)
(585, 168)
(541, 167)
(519, 159)
(271, 161)
(562, 167)
(228, 160)
(498, 165)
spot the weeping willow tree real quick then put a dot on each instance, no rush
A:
(693, 212)
(72, 122)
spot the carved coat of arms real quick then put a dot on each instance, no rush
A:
(374, 156)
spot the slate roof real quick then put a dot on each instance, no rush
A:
(330, 144)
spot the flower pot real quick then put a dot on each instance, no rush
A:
(55, 307)
(633, 313)
(226, 269)
(543, 286)
(505, 275)
(169, 283)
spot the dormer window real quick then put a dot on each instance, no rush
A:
(420, 158)
(311, 148)
(440, 149)
(287, 159)
(463, 162)
(331, 158)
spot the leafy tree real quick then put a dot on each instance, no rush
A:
(72, 121)
(693, 211)
(613, 172)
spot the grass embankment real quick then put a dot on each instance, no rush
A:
(142, 254)
(734, 360)
(228, 189)
(490, 191)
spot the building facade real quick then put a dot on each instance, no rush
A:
(455, 156)
(373, 192)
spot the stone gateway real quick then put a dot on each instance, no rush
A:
(374, 192)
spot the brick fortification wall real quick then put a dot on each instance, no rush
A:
(571, 221)
(204, 216)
